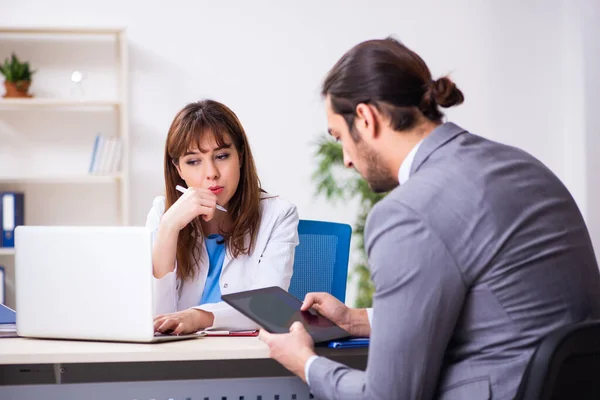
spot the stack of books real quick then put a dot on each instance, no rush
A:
(106, 155)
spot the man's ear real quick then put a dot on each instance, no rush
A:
(366, 121)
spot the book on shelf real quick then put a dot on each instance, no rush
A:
(12, 214)
(106, 155)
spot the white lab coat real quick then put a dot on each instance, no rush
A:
(270, 264)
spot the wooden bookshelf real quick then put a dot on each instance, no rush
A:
(47, 102)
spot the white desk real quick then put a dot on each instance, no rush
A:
(37, 351)
(197, 369)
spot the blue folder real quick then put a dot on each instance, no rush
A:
(349, 343)
(7, 315)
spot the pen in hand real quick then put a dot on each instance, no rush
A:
(183, 190)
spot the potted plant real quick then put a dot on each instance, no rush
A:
(17, 77)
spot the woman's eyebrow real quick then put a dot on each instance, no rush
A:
(226, 146)
(204, 151)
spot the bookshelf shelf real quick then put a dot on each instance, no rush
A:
(33, 103)
(74, 179)
(56, 30)
(7, 251)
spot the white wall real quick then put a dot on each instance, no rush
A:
(591, 68)
(514, 60)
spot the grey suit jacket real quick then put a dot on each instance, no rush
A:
(477, 257)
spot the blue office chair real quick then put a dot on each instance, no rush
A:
(321, 260)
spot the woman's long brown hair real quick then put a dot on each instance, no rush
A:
(190, 125)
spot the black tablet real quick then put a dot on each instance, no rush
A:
(276, 310)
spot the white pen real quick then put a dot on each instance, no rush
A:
(183, 190)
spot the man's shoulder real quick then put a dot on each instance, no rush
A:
(387, 213)
(401, 199)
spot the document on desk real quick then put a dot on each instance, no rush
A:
(7, 315)
(230, 333)
(349, 343)
(8, 319)
(8, 331)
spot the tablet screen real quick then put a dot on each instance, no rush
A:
(276, 310)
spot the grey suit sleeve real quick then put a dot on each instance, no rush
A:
(419, 292)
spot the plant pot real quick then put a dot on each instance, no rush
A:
(17, 89)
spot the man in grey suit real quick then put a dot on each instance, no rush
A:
(477, 253)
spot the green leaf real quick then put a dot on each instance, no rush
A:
(14, 70)
(329, 156)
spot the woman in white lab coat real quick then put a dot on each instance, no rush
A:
(201, 252)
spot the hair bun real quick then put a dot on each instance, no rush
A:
(445, 93)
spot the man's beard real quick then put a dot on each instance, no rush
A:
(378, 178)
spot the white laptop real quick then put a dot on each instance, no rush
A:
(90, 283)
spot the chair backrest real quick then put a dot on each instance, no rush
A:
(566, 365)
(321, 260)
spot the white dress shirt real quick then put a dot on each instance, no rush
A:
(404, 171)
(403, 175)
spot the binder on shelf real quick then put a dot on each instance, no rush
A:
(12, 214)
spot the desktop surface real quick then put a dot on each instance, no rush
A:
(44, 351)
(42, 361)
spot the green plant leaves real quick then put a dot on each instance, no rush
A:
(16, 71)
